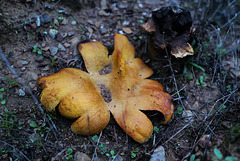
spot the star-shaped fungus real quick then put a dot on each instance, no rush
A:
(78, 94)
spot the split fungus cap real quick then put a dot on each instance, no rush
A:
(78, 94)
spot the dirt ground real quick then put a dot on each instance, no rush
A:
(39, 38)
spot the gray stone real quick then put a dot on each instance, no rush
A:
(103, 13)
(71, 33)
(38, 21)
(90, 22)
(140, 5)
(45, 49)
(116, 158)
(74, 22)
(61, 47)
(79, 156)
(90, 30)
(65, 21)
(121, 32)
(23, 69)
(122, 5)
(43, 44)
(144, 13)
(64, 34)
(21, 92)
(53, 33)
(114, 7)
(32, 85)
(103, 4)
(60, 37)
(53, 50)
(158, 154)
(187, 116)
(75, 52)
(103, 31)
(125, 23)
(45, 18)
(24, 62)
(66, 44)
(55, 21)
(64, 11)
(74, 41)
(46, 68)
(83, 38)
(40, 59)
(31, 76)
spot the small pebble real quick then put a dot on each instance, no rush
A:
(63, 11)
(116, 158)
(74, 22)
(64, 34)
(74, 41)
(121, 32)
(45, 18)
(46, 48)
(38, 21)
(90, 30)
(65, 21)
(23, 69)
(71, 33)
(90, 22)
(40, 59)
(66, 45)
(43, 44)
(140, 5)
(103, 31)
(122, 5)
(60, 37)
(46, 68)
(53, 33)
(31, 76)
(80, 156)
(187, 116)
(144, 14)
(126, 23)
(21, 92)
(53, 50)
(103, 13)
(158, 154)
(55, 21)
(32, 85)
(24, 62)
(61, 47)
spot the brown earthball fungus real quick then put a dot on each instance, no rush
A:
(169, 28)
